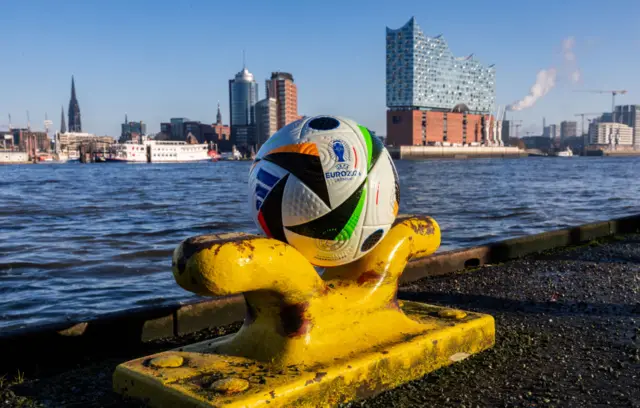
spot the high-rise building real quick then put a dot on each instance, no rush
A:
(423, 73)
(568, 129)
(610, 134)
(165, 127)
(282, 88)
(266, 119)
(177, 128)
(75, 122)
(433, 96)
(550, 131)
(630, 116)
(132, 130)
(605, 117)
(243, 96)
(192, 128)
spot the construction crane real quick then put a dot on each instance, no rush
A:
(586, 114)
(613, 97)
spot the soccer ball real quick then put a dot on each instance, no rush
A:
(325, 186)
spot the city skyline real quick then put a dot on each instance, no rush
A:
(145, 70)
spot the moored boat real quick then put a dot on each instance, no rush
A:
(159, 151)
(565, 153)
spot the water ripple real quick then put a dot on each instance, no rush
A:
(81, 240)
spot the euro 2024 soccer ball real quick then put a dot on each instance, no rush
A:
(327, 187)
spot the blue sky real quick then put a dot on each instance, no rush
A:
(157, 59)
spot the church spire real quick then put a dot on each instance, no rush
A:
(75, 123)
(63, 125)
(73, 88)
(219, 115)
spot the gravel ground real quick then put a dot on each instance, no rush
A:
(568, 335)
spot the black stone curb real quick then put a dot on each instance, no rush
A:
(133, 328)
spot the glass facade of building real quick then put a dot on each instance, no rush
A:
(423, 73)
(177, 128)
(129, 128)
(243, 94)
(630, 116)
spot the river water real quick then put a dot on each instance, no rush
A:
(79, 240)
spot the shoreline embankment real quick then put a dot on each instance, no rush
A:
(452, 152)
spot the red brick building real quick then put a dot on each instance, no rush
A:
(221, 132)
(281, 88)
(423, 128)
(27, 140)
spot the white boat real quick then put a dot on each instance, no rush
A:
(45, 158)
(73, 156)
(159, 151)
(565, 153)
(129, 152)
(170, 151)
(235, 155)
(60, 157)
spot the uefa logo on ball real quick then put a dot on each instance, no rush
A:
(341, 152)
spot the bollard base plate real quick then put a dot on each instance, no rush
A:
(192, 377)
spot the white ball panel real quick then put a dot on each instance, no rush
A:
(300, 204)
(324, 253)
(381, 192)
(289, 134)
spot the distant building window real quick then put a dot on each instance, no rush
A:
(395, 120)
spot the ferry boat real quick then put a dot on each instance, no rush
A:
(159, 151)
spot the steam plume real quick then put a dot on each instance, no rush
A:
(570, 59)
(567, 46)
(545, 81)
(546, 78)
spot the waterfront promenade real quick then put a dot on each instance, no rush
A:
(566, 320)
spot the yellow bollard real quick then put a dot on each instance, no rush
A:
(307, 341)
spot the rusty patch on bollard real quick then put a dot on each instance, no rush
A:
(422, 226)
(369, 276)
(230, 386)
(452, 314)
(293, 319)
(167, 361)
